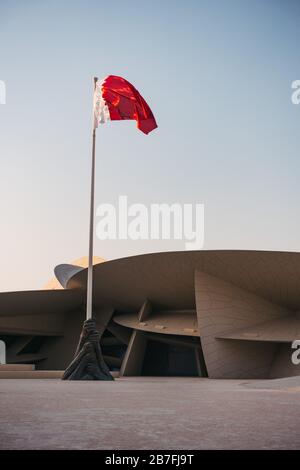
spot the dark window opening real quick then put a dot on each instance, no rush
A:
(162, 359)
(113, 350)
(33, 346)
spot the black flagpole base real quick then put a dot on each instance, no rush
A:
(88, 362)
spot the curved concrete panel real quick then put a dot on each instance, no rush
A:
(221, 307)
(168, 322)
(64, 272)
(279, 330)
(40, 302)
(168, 278)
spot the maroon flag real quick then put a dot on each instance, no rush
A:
(116, 99)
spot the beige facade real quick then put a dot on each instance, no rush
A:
(221, 314)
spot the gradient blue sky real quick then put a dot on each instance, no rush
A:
(218, 77)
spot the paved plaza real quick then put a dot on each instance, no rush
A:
(150, 413)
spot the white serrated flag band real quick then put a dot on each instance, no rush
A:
(101, 111)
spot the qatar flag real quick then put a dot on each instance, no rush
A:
(116, 99)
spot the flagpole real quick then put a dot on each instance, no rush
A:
(89, 300)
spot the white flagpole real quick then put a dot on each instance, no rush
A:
(89, 300)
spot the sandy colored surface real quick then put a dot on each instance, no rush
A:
(53, 283)
(149, 413)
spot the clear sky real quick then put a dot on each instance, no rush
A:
(217, 76)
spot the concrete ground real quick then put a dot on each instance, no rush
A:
(149, 413)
